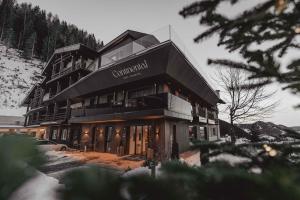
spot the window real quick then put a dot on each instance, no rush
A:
(102, 99)
(120, 96)
(109, 134)
(54, 134)
(87, 102)
(93, 101)
(141, 92)
(116, 54)
(64, 134)
(213, 132)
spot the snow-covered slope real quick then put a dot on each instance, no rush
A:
(17, 76)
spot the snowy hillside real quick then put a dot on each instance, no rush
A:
(268, 130)
(17, 76)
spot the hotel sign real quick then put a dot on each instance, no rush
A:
(130, 71)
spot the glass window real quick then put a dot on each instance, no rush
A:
(102, 99)
(54, 134)
(120, 96)
(87, 102)
(116, 54)
(109, 134)
(64, 134)
(141, 92)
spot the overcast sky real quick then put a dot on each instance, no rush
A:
(108, 18)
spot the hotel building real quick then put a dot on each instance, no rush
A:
(138, 95)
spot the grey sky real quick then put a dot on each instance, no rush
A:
(108, 18)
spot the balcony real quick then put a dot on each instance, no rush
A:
(165, 101)
(212, 119)
(199, 113)
(69, 70)
(48, 118)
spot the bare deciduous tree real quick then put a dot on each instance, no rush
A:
(245, 103)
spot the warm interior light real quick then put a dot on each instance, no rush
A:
(157, 131)
(273, 153)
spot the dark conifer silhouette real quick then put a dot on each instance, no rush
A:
(37, 32)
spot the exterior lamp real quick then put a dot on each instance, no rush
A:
(273, 153)
(157, 133)
(267, 148)
(118, 131)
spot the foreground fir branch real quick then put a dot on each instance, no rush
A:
(261, 33)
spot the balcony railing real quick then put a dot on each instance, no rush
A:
(69, 70)
(163, 101)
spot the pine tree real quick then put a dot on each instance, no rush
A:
(29, 47)
(26, 20)
(262, 34)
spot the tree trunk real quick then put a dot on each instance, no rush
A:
(2, 31)
(20, 39)
(232, 132)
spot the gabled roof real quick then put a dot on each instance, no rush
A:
(128, 33)
(164, 59)
(30, 94)
(76, 47)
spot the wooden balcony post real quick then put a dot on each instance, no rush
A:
(68, 111)
(28, 107)
(55, 111)
(47, 110)
(42, 96)
(83, 106)
(58, 87)
(38, 116)
(206, 115)
(70, 81)
(53, 70)
(81, 62)
(61, 63)
(73, 63)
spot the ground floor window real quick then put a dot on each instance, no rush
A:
(64, 134)
(54, 134)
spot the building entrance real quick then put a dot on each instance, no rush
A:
(139, 139)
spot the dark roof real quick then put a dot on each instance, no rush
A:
(164, 59)
(76, 47)
(134, 35)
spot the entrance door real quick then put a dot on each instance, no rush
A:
(145, 140)
(132, 138)
(139, 140)
(108, 139)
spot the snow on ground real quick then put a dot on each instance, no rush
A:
(267, 137)
(229, 158)
(58, 157)
(105, 159)
(143, 171)
(242, 141)
(41, 187)
(18, 75)
(247, 130)
(192, 158)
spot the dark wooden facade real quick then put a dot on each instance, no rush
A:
(134, 96)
